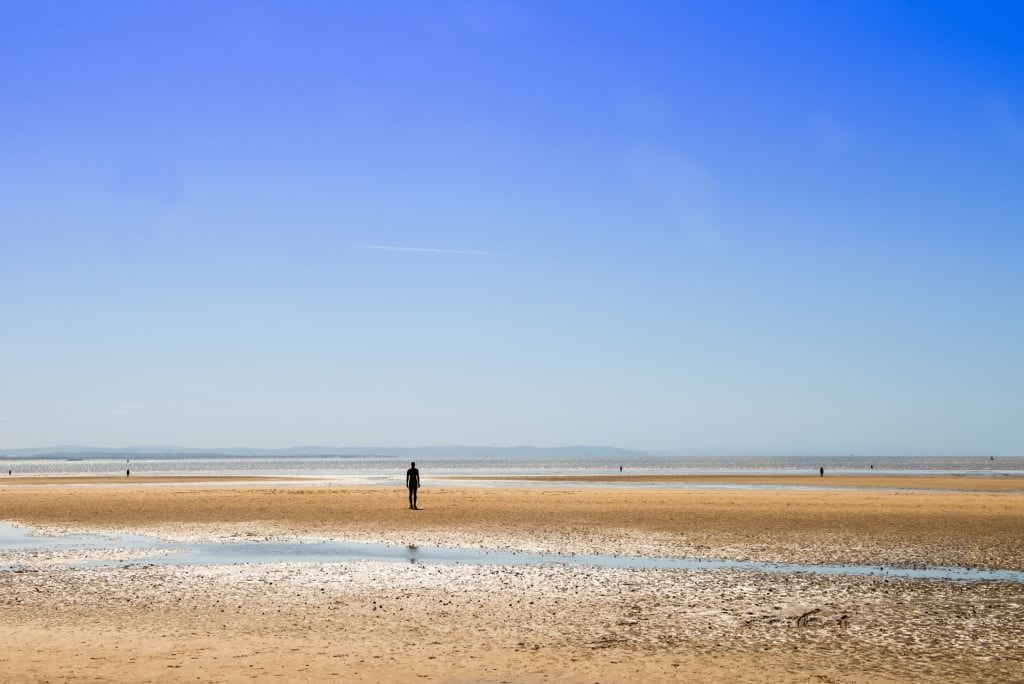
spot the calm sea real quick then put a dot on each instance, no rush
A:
(391, 469)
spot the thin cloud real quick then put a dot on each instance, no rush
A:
(678, 189)
(427, 250)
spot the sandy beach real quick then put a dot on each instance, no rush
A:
(379, 621)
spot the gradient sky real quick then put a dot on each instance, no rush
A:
(727, 227)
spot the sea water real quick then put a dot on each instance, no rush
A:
(13, 538)
(390, 469)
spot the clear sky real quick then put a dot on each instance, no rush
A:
(728, 227)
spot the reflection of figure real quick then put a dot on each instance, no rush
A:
(412, 481)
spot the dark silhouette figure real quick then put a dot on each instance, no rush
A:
(412, 481)
(821, 471)
(127, 473)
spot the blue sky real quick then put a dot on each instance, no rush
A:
(746, 227)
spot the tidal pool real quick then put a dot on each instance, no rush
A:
(16, 541)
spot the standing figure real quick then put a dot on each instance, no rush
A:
(412, 481)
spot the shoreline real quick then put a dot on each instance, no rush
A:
(89, 479)
(995, 482)
(968, 481)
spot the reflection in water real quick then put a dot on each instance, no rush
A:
(172, 553)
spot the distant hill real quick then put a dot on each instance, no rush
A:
(452, 451)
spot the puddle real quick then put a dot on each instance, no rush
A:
(176, 553)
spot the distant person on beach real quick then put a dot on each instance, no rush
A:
(127, 473)
(412, 481)
(821, 471)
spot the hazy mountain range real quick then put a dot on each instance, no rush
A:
(68, 451)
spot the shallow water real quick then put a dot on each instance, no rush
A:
(390, 470)
(14, 538)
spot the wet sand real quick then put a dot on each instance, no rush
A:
(979, 483)
(372, 621)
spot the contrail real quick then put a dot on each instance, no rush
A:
(428, 250)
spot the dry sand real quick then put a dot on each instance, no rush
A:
(373, 621)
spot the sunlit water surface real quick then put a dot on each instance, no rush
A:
(18, 539)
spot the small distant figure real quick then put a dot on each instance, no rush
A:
(620, 469)
(412, 481)
(821, 471)
(127, 473)
(9, 472)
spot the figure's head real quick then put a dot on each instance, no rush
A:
(413, 464)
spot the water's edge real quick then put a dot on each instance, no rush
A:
(20, 539)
